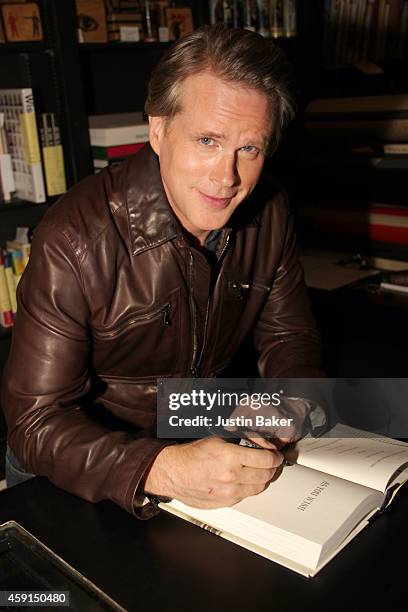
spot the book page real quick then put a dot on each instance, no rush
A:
(369, 461)
(303, 515)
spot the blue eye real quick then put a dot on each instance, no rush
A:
(205, 140)
(250, 149)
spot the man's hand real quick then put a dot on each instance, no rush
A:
(292, 412)
(211, 473)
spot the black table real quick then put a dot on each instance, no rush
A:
(169, 565)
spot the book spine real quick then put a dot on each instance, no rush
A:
(382, 28)
(374, 222)
(29, 131)
(350, 40)
(114, 152)
(20, 123)
(8, 269)
(402, 41)
(361, 9)
(6, 314)
(53, 155)
(368, 30)
(277, 24)
(18, 265)
(340, 30)
(118, 136)
(289, 18)
(264, 27)
(7, 183)
(23, 250)
(334, 21)
(395, 148)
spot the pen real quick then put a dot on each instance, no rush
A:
(244, 442)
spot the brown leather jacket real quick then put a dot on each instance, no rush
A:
(115, 296)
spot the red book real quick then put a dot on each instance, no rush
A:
(6, 314)
(116, 151)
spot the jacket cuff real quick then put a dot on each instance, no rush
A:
(146, 506)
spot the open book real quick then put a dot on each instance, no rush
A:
(315, 506)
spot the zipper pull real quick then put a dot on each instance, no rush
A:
(166, 315)
(195, 372)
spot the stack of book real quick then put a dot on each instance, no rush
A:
(28, 171)
(13, 261)
(365, 30)
(356, 139)
(115, 137)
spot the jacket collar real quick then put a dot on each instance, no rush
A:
(150, 219)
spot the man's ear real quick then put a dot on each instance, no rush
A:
(156, 131)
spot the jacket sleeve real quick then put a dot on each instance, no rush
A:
(47, 375)
(285, 336)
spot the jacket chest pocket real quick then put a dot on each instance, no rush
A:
(144, 344)
(240, 305)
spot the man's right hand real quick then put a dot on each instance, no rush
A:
(211, 473)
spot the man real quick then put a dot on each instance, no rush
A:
(161, 267)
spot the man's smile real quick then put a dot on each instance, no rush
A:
(215, 202)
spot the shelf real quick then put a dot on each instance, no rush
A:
(17, 204)
(23, 47)
(123, 46)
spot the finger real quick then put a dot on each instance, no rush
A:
(255, 489)
(259, 458)
(256, 476)
(257, 439)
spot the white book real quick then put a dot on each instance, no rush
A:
(315, 506)
(117, 129)
(22, 142)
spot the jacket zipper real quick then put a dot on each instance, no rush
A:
(163, 312)
(196, 362)
(193, 368)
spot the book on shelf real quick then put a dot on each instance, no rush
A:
(53, 155)
(289, 18)
(107, 156)
(364, 30)
(11, 283)
(334, 488)
(22, 142)
(377, 222)
(118, 129)
(384, 118)
(125, 27)
(275, 18)
(395, 148)
(118, 151)
(6, 313)
(7, 183)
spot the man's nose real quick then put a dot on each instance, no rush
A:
(225, 171)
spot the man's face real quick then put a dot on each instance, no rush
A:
(211, 152)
